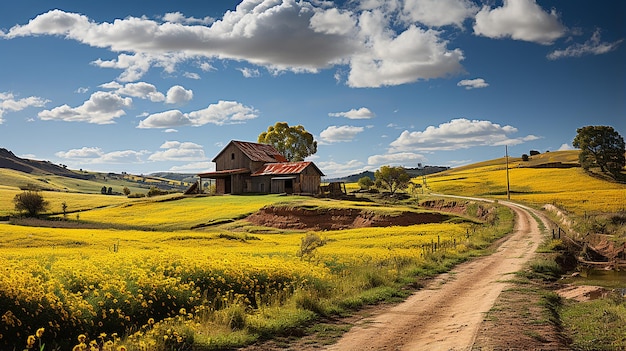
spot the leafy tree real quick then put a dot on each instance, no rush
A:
(103, 190)
(295, 143)
(126, 191)
(31, 202)
(392, 178)
(365, 183)
(601, 146)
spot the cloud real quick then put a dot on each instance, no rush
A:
(519, 20)
(388, 58)
(223, 112)
(566, 147)
(438, 13)
(191, 75)
(278, 35)
(178, 95)
(194, 167)
(95, 155)
(177, 17)
(101, 108)
(335, 134)
(8, 103)
(249, 72)
(406, 159)
(457, 134)
(362, 113)
(140, 90)
(473, 83)
(593, 46)
(336, 169)
(177, 151)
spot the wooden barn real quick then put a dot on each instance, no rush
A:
(245, 167)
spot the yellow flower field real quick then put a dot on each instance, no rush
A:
(570, 188)
(85, 281)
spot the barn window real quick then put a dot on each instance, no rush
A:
(232, 156)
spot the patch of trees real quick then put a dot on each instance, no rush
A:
(601, 146)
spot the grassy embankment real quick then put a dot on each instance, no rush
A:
(154, 281)
(594, 205)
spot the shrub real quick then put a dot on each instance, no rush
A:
(31, 202)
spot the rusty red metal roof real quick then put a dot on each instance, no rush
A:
(284, 168)
(259, 152)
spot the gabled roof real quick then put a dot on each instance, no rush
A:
(285, 168)
(256, 152)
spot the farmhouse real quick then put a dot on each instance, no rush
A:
(245, 167)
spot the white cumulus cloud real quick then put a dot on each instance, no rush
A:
(334, 134)
(223, 112)
(473, 83)
(406, 159)
(520, 20)
(101, 108)
(438, 13)
(296, 36)
(95, 155)
(458, 134)
(178, 95)
(179, 151)
(361, 113)
(140, 90)
(8, 103)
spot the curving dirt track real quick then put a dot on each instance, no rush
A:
(446, 314)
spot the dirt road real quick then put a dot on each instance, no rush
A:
(447, 313)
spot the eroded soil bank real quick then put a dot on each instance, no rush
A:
(338, 218)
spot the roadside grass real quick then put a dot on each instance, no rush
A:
(596, 325)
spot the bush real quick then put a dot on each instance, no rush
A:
(31, 202)
(154, 191)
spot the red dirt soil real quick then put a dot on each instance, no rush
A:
(337, 219)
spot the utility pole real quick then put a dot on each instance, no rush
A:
(508, 184)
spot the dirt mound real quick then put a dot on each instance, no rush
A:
(337, 218)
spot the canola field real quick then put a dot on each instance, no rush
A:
(164, 286)
(570, 189)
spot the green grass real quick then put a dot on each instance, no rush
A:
(596, 325)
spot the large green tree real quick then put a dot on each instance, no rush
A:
(295, 143)
(601, 146)
(392, 178)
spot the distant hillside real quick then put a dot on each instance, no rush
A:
(413, 172)
(10, 161)
(181, 177)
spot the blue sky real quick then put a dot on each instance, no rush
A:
(142, 87)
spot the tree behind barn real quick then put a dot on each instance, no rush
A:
(601, 146)
(295, 143)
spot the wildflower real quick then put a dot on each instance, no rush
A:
(39, 332)
(182, 311)
(82, 338)
(122, 348)
(30, 341)
(150, 321)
